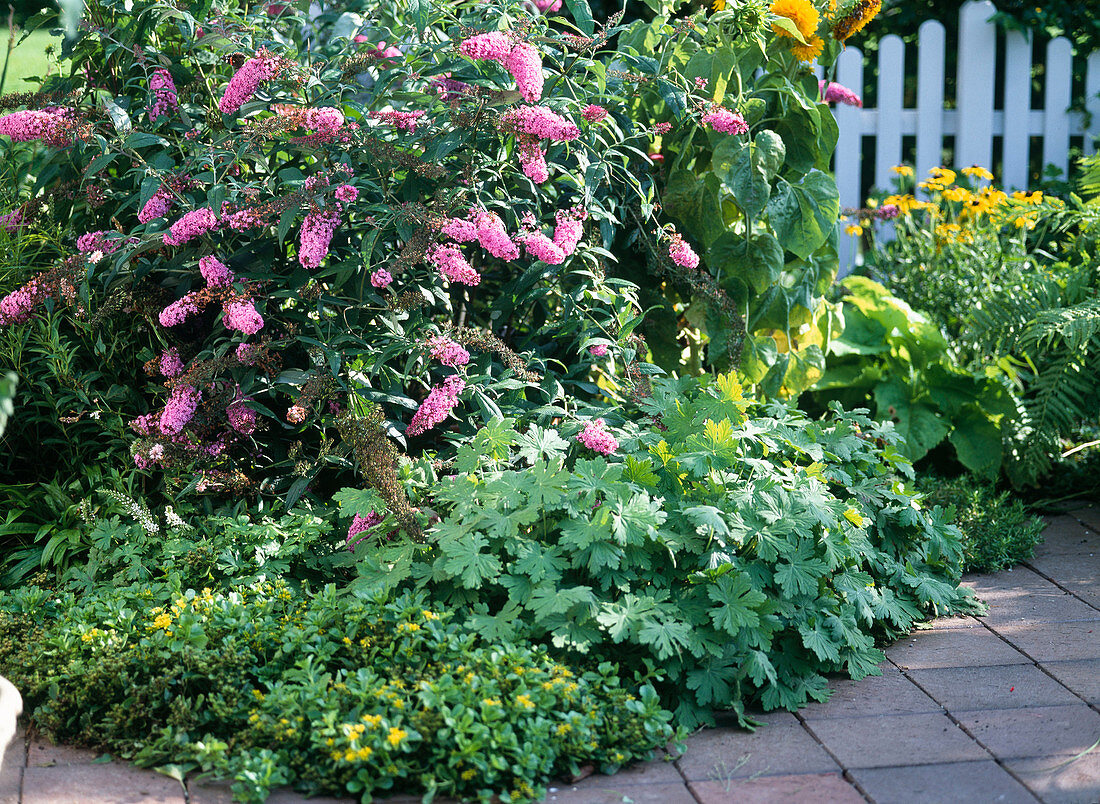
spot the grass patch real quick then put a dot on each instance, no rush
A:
(998, 532)
(28, 58)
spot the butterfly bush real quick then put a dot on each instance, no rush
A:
(328, 251)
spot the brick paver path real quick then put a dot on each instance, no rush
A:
(1001, 708)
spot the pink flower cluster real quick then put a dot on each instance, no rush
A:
(193, 224)
(567, 234)
(530, 125)
(16, 307)
(548, 6)
(833, 92)
(164, 94)
(360, 524)
(381, 278)
(448, 352)
(520, 59)
(178, 311)
(486, 228)
(681, 253)
(244, 83)
(325, 121)
(98, 241)
(52, 126)
(346, 194)
(598, 438)
(721, 119)
(170, 363)
(438, 405)
(13, 221)
(593, 113)
(180, 409)
(315, 236)
(404, 121)
(448, 88)
(599, 350)
(158, 205)
(248, 354)
(215, 272)
(448, 260)
(241, 417)
(242, 315)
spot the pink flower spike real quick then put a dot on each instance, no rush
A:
(315, 237)
(598, 438)
(491, 46)
(593, 113)
(179, 410)
(241, 417)
(346, 194)
(170, 363)
(449, 261)
(178, 311)
(567, 232)
(381, 278)
(158, 205)
(164, 94)
(599, 350)
(193, 224)
(837, 93)
(215, 272)
(681, 253)
(459, 230)
(525, 65)
(543, 248)
(437, 406)
(493, 237)
(244, 83)
(447, 351)
(359, 525)
(243, 317)
(725, 121)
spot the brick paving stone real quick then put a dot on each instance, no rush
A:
(1056, 782)
(776, 749)
(106, 783)
(1007, 686)
(667, 793)
(964, 621)
(952, 648)
(1089, 515)
(816, 788)
(219, 792)
(1083, 677)
(11, 771)
(42, 753)
(657, 771)
(1055, 642)
(1009, 583)
(1065, 535)
(1044, 731)
(1035, 608)
(955, 783)
(895, 740)
(889, 694)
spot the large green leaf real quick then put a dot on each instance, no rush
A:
(977, 442)
(919, 423)
(803, 215)
(746, 169)
(756, 260)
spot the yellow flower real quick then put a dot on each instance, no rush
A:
(525, 701)
(395, 736)
(408, 627)
(717, 5)
(829, 11)
(905, 203)
(349, 755)
(1034, 197)
(430, 615)
(163, 620)
(337, 756)
(491, 702)
(364, 753)
(956, 193)
(470, 773)
(1023, 222)
(564, 728)
(902, 170)
(974, 171)
(810, 51)
(856, 19)
(855, 230)
(801, 12)
(372, 720)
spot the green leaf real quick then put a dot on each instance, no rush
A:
(464, 558)
(666, 636)
(920, 424)
(977, 442)
(756, 260)
(803, 215)
(582, 15)
(737, 601)
(541, 442)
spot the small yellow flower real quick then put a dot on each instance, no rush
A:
(1024, 222)
(408, 627)
(974, 171)
(349, 755)
(956, 194)
(902, 170)
(1034, 197)
(364, 753)
(564, 728)
(855, 230)
(372, 720)
(395, 736)
(430, 615)
(491, 702)
(162, 621)
(337, 756)
(470, 773)
(525, 701)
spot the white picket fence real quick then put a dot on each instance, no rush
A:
(974, 121)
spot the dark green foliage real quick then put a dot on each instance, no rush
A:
(742, 551)
(998, 532)
(320, 691)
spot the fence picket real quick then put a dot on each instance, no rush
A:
(975, 82)
(891, 78)
(931, 57)
(849, 146)
(1058, 82)
(1092, 99)
(1017, 135)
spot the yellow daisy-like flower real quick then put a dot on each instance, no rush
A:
(364, 753)
(905, 203)
(163, 621)
(1034, 197)
(470, 773)
(395, 736)
(802, 13)
(855, 230)
(810, 51)
(525, 701)
(956, 194)
(902, 170)
(718, 5)
(1024, 222)
(856, 19)
(943, 175)
(977, 172)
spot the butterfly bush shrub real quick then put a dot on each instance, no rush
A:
(333, 240)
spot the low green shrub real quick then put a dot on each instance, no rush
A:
(741, 549)
(998, 532)
(324, 692)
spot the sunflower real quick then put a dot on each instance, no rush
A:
(856, 19)
(809, 51)
(801, 12)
